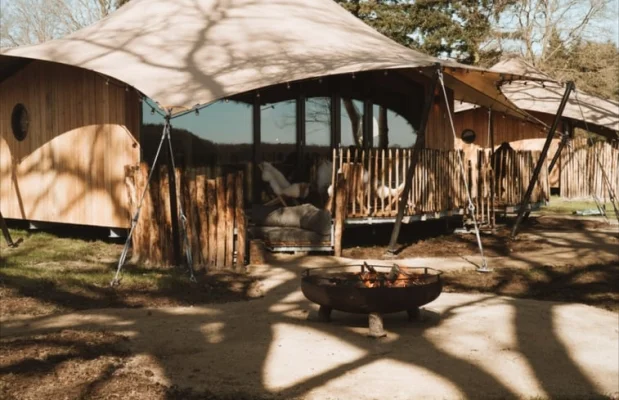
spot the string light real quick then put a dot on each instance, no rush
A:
(152, 111)
(353, 75)
(197, 112)
(288, 85)
(126, 88)
(107, 82)
(226, 100)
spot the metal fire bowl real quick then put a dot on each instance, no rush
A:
(317, 285)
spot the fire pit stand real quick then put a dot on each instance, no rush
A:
(375, 290)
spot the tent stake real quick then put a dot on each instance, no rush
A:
(527, 196)
(420, 143)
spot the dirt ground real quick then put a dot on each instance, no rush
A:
(472, 342)
(435, 239)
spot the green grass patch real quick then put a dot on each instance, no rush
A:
(47, 273)
(560, 206)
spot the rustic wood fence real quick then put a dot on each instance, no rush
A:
(583, 168)
(216, 222)
(502, 181)
(375, 180)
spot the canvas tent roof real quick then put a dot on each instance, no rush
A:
(601, 115)
(184, 53)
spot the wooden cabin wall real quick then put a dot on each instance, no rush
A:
(506, 128)
(521, 135)
(438, 131)
(70, 168)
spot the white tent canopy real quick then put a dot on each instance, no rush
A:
(545, 98)
(184, 53)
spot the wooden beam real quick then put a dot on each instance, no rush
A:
(419, 144)
(527, 196)
(341, 203)
(492, 171)
(176, 243)
(336, 120)
(368, 123)
(257, 155)
(300, 120)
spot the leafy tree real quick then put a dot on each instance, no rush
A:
(455, 29)
(591, 65)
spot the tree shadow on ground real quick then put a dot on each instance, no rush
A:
(268, 348)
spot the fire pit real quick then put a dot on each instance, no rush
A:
(374, 290)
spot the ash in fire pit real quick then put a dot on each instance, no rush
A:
(373, 290)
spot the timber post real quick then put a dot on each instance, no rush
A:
(492, 171)
(341, 203)
(540, 162)
(419, 144)
(176, 243)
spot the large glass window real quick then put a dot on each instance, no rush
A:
(352, 122)
(218, 137)
(278, 124)
(391, 129)
(318, 122)
(218, 134)
(317, 127)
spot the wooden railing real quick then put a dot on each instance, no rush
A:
(375, 179)
(501, 181)
(216, 223)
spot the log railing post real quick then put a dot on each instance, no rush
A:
(341, 203)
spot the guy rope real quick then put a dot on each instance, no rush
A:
(471, 207)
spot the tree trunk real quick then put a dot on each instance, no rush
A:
(355, 121)
(383, 128)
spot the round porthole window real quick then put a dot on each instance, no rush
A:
(20, 122)
(468, 136)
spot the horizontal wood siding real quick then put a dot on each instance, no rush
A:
(506, 128)
(82, 134)
(521, 135)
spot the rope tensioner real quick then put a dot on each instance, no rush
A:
(471, 207)
(134, 221)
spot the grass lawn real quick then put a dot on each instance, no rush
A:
(560, 206)
(47, 273)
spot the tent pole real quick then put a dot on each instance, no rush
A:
(176, 243)
(564, 138)
(5, 232)
(419, 144)
(527, 196)
(256, 150)
(492, 171)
